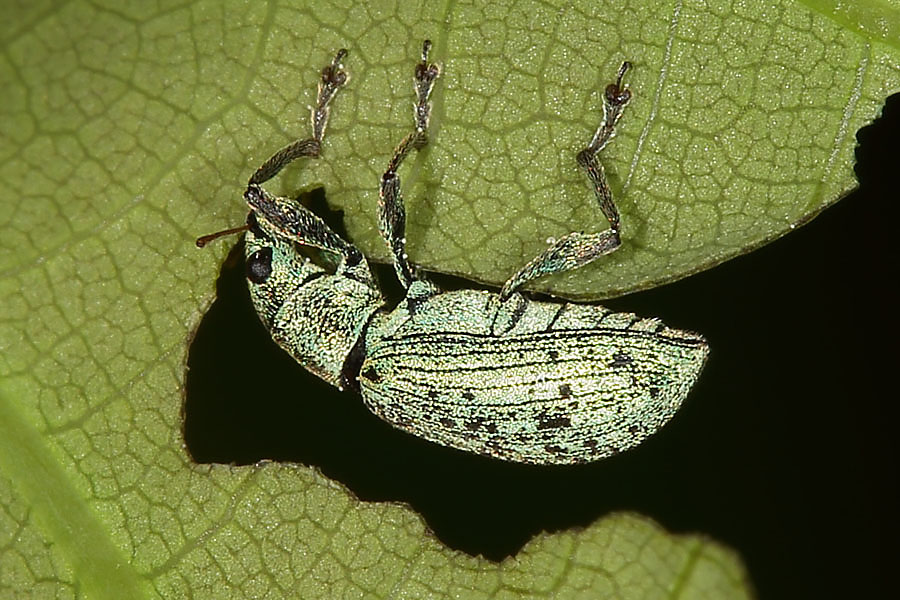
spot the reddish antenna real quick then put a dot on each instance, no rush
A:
(202, 241)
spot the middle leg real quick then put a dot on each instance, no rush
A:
(391, 212)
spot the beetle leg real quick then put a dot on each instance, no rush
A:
(290, 220)
(391, 212)
(577, 248)
(283, 217)
(331, 81)
(333, 77)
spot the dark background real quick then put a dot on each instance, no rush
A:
(785, 450)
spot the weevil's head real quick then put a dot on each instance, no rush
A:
(315, 306)
(275, 269)
(314, 313)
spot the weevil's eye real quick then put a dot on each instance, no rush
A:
(259, 265)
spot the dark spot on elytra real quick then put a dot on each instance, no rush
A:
(565, 391)
(371, 375)
(654, 392)
(432, 394)
(553, 449)
(546, 421)
(479, 423)
(633, 429)
(468, 396)
(448, 423)
(620, 359)
(494, 444)
(553, 354)
(475, 424)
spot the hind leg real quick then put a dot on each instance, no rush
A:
(578, 249)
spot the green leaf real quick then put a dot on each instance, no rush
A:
(128, 131)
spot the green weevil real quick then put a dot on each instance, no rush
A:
(497, 374)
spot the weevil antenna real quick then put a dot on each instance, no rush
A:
(204, 240)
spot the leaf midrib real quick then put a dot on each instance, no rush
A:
(100, 570)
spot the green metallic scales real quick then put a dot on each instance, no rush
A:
(314, 315)
(569, 383)
(496, 374)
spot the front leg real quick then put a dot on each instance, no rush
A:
(333, 78)
(289, 220)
